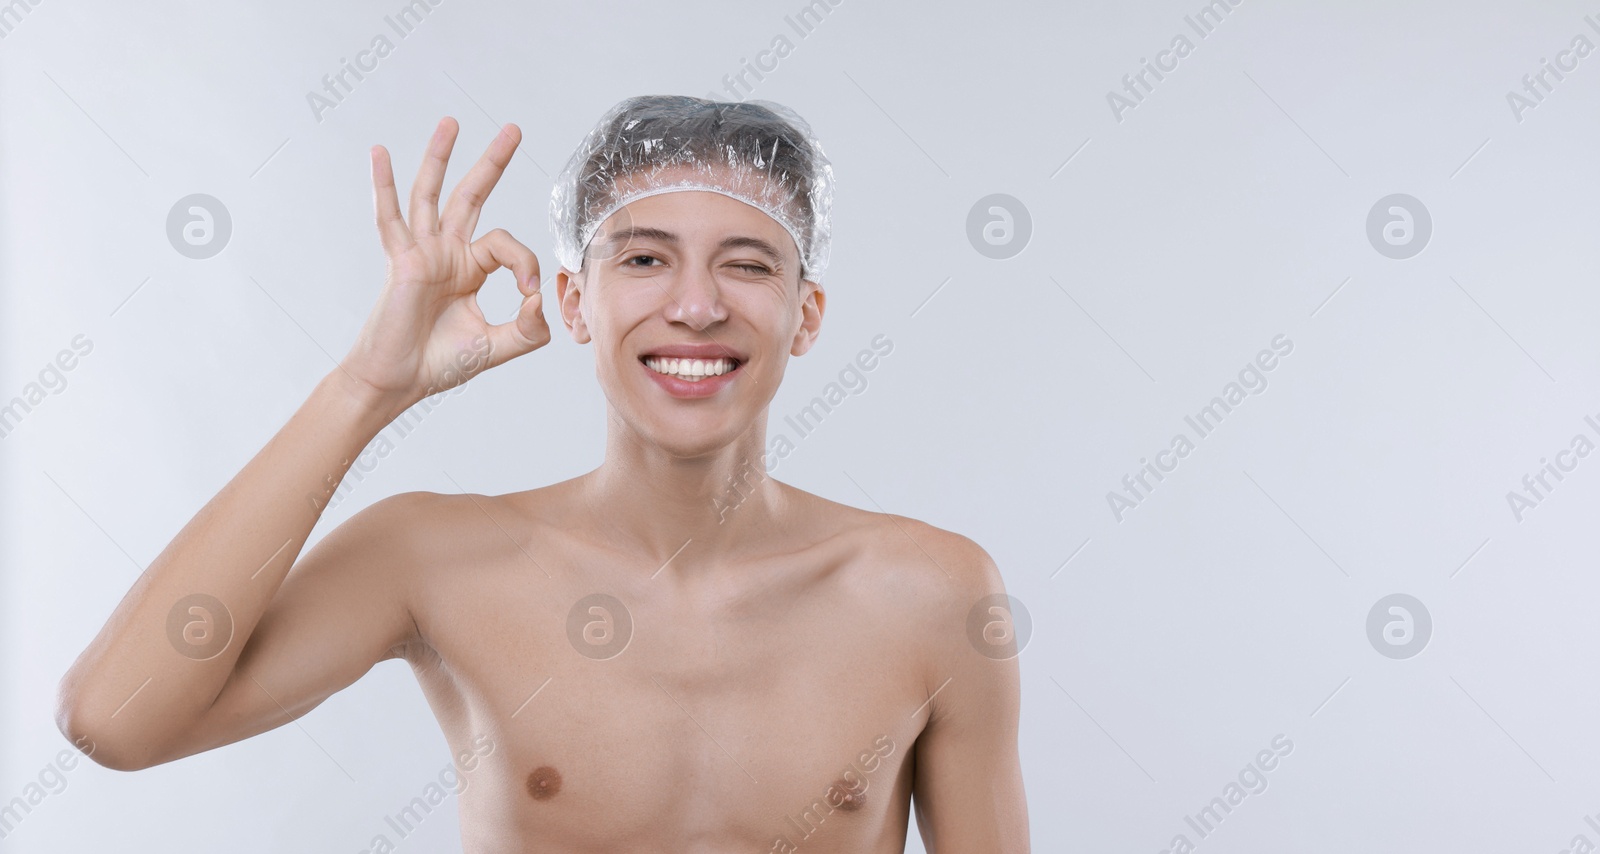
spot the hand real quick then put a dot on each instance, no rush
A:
(427, 333)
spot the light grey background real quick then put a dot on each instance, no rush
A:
(1227, 208)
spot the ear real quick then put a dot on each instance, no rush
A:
(569, 295)
(812, 305)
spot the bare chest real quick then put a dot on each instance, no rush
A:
(777, 720)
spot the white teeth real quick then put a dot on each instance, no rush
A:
(693, 370)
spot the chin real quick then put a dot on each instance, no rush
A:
(684, 428)
(693, 436)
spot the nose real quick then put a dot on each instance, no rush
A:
(695, 299)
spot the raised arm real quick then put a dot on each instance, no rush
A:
(967, 788)
(225, 634)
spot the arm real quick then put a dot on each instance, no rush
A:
(139, 690)
(220, 639)
(967, 784)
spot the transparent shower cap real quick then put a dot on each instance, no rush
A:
(759, 152)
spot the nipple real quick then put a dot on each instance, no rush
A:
(844, 795)
(544, 783)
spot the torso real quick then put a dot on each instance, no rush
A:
(770, 708)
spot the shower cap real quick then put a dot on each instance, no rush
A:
(759, 152)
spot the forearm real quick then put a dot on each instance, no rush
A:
(172, 654)
(151, 675)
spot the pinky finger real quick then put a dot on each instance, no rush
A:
(386, 204)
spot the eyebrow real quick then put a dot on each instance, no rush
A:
(735, 242)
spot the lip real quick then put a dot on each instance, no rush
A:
(684, 388)
(710, 350)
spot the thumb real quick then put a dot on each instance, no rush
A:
(523, 334)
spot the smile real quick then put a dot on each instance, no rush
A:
(690, 370)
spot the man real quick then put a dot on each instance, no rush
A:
(665, 654)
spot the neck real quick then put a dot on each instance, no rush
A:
(684, 511)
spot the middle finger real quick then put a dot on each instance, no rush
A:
(465, 203)
(430, 178)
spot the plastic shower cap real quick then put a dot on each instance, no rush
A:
(759, 152)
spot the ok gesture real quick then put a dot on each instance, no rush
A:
(427, 334)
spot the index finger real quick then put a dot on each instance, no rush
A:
(466, 201)
(392, 229)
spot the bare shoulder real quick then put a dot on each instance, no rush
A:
(934, 575)
(947, 563)
(400, 543)
(938, 592)
(388, 543)
(413, 549)
(427, 524)
(373, 538)
(967, 566)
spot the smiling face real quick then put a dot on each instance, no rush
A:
(694, 303)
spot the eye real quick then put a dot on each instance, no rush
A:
(629, 262)
(756, 269)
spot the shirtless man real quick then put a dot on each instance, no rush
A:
(640, 658)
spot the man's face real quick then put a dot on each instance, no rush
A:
(691, 273)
